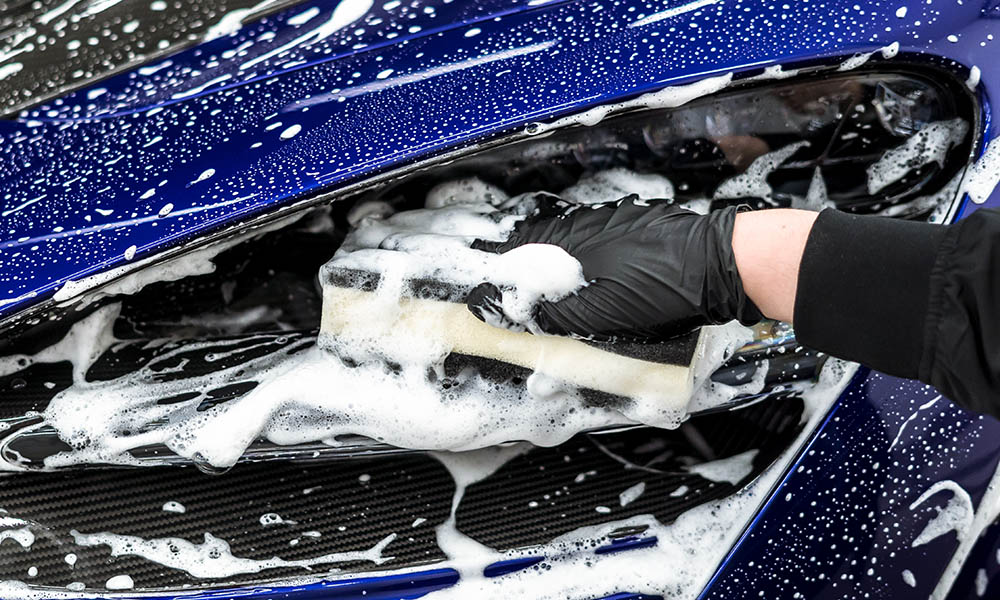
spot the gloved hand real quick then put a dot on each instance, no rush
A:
(654, 271)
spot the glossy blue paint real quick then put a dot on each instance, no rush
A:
(402, 586)
(392, 587)
(86, 178)
(627, 543)
(844, 520)
(980, 576)
(73, 176)
(511, 566)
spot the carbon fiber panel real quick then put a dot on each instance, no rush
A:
(355, 504)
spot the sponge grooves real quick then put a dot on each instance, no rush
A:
(433, 312)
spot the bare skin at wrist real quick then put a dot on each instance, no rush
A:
(768, 247)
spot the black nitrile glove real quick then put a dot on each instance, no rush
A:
(654, 271)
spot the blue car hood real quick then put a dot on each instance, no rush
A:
(328, 93)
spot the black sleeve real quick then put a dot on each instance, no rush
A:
(909, 299)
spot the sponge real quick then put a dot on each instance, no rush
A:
(432, 312)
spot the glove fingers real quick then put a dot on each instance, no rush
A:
(485, 301)
(490, 246)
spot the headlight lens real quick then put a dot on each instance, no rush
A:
(844, 125)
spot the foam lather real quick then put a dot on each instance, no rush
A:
(433, 312)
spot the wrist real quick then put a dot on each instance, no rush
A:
(768, 247)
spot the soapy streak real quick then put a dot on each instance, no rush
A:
(669, 97)
(902, 427)
(213, 559)
(425, 74)
(956, 516)
(673, 12)
(346, 12)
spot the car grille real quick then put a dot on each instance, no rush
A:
(356, 503)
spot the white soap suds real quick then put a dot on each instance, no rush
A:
(983, 177)
(670, 13)
(304, 16)
(752, 183)
(271, 519)
(81, 346)
(902, 428)
(730, 470)
(212, 559)
(10, 69)
(981, 582)
(669, 97)
(120, 582)
(174, 507)
(309, 393)
(930, 144)
(975, 74)
(372, 209)
(21, 535)
(232, 21)
(613, 184)
(632, 494)
(955, 516)
(719, 343)
(345, 13)
(290, 132)
(858, 60)
(909, 579)
(206, 174)
(467, 555)
(816, 198)
(985, 515)
(469, 190)
(680, 491)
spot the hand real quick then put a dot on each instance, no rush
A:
(654, 271)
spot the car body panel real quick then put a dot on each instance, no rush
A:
(449, 90)
(79, 193)
(50, 48)
(844, 521)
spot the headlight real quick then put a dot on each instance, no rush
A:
(842, 126)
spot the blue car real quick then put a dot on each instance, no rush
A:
(175, 173)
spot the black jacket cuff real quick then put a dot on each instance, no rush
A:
(863, 289)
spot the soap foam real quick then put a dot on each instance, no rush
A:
(344, 385)
(955, 516)
(212, 559)
(730, 470)
(929, 145)
(983, 177)
(612, 184)
(752, 183)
